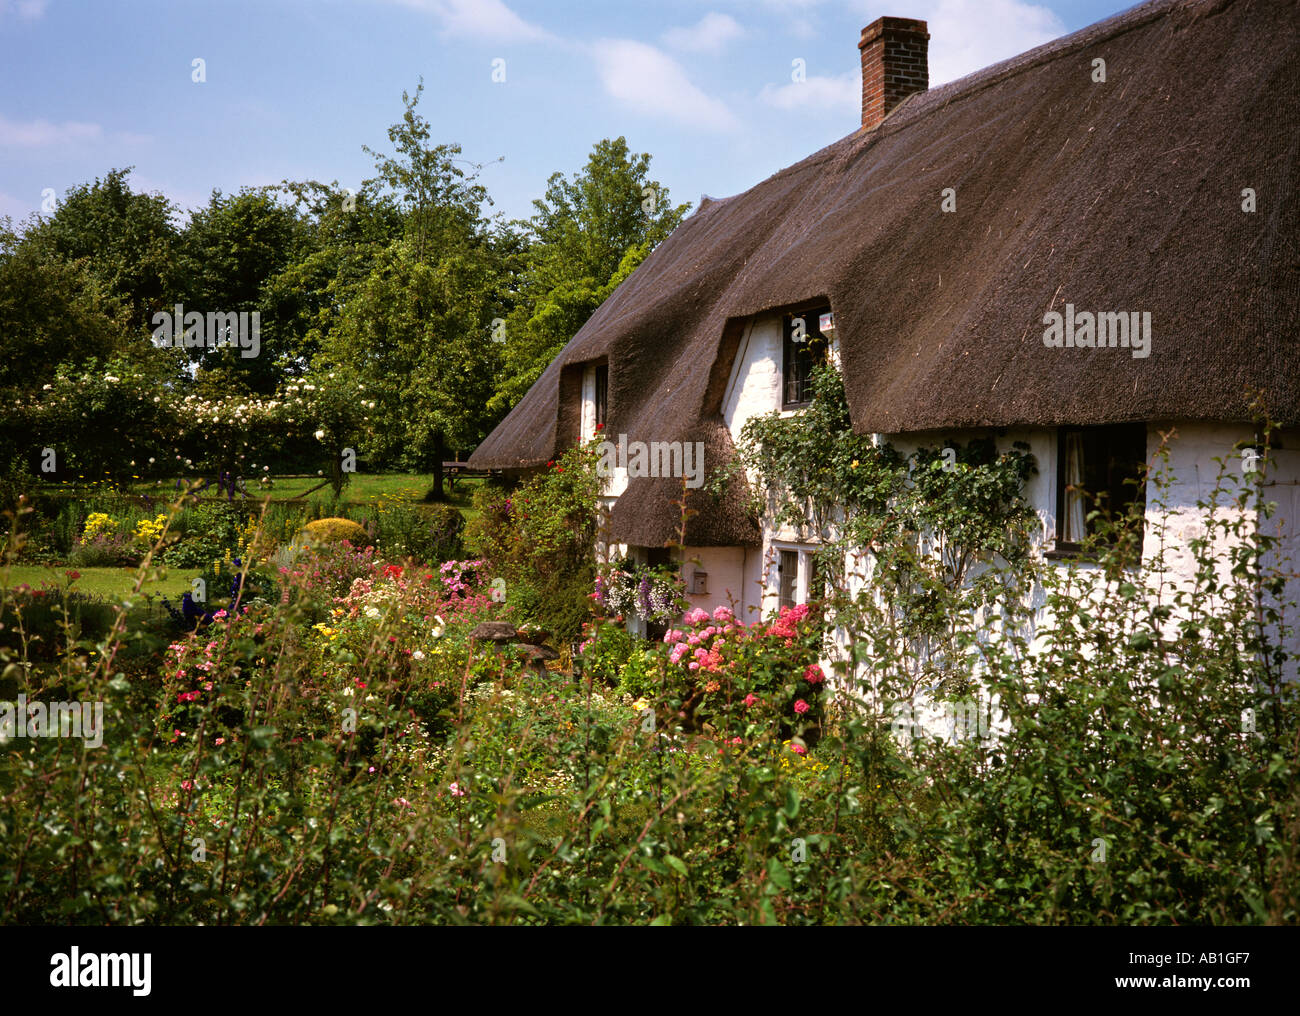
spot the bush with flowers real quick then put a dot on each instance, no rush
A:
(128, 418)
(737, 677)
(605, 648)
(627, 590)
(98, 524)
(149, 531)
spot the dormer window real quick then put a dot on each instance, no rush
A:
(803, 347)
(595, 400)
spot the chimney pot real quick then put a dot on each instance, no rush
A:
(893, 53)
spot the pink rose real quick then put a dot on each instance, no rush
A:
(800, 706)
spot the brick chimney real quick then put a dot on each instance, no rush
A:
(894, 65)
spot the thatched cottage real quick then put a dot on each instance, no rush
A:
(1076, 248)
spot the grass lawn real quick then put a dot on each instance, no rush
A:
(114, 583)
(364, 489)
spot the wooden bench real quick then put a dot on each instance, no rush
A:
(453, 471)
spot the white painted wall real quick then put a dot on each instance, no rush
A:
(725, 567)
(754, 387)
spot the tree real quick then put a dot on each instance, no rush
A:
(416, 330)
(232, 249)
(349, 230)
(127, 240)
(442, 205)
(52, 312)
(587, 236)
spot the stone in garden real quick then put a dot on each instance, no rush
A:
(493, 631)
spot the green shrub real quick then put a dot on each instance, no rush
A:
(445, 528)
(639, 675)
(431, 534)
(607, 650)
(115, 551)
(541, 538)
(207, 532)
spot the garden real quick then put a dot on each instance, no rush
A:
(383, 711)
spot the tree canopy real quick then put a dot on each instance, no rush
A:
(407, 287)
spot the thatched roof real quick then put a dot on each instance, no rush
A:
(1117, 196)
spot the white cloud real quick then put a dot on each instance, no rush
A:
(43, 134)
(841, 94)
(27, 10)
(651, 82)
(710, 35)
(480, 19)
(968, 35)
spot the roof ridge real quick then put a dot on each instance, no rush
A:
(922, 104)
(933, 99)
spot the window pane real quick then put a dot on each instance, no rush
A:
(788, 570)
(1073, 511)
(1099, 467)
(799, 357)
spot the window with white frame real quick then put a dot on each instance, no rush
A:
(595, 399)
(796, 576)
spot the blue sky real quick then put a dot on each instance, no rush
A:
(294, 88)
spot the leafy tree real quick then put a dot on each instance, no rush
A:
(349, 229)
(127, 240)
(415, 331)
(441, 203)
(589, 233)
(231, 250)
(52, 312)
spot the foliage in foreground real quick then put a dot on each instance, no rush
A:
(344, 754)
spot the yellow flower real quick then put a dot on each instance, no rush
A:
(98, 523)
(853, 464)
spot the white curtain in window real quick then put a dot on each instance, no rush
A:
(1073, 514)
